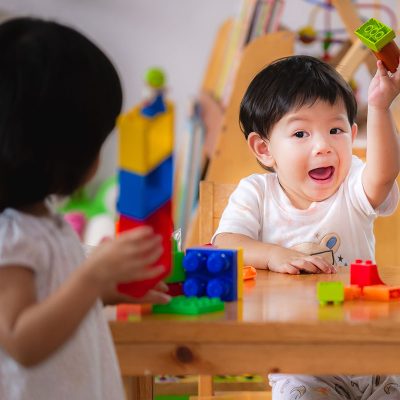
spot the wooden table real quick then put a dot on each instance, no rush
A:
(279, 327)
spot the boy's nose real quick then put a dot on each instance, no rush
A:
(321, 146)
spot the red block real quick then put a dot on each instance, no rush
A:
(125, 310)
(175, 289)
(161, 221)
(364, 273)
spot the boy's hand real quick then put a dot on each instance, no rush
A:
(293, 262)
(129, 257)
(384, 88)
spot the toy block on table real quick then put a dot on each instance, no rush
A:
(161, 221)
(189, 306)
(144, 143)
(249, 272)
(141, 195)
(381, 292)
(330, 292)
(125, 310)
(380, 39)
(352, 292)
(214, 273)
(178, 273)
(364, 273)
(175, 288)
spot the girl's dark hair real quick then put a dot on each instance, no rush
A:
(289, 83)
(59, 99)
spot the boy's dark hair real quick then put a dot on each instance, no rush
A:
(290, 83)
(59, 99)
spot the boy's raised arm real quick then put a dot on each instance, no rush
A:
(383, 153)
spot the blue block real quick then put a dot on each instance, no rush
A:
(141, 195)
(211, 272)
(157, 106)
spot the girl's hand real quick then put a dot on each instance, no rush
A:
(384, 87)
(293, 262)
(157, 295)
(129, 257)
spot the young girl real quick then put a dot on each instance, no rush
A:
(317, 207)
(59, 98)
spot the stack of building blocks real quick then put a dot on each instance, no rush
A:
(380, 39)
(214, 272)
(145, 182)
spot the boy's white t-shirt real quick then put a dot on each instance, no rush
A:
(340, 228)
(83, 368)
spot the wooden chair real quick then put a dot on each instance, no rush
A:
(213, 200)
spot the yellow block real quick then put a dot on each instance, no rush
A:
(240, 265)
(143, 143)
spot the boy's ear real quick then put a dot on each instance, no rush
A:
(354, 131)
(261, 149)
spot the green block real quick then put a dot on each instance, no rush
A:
(330, 292)
(171, 397)
(177, 272)
(375, 35)
(189, 306)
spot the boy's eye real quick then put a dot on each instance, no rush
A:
(335, 131)
(300, 134)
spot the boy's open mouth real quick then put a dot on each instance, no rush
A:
(321, 174)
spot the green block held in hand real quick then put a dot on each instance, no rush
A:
(375, 35)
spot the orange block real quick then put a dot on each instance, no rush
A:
(352, 292)
(249, 272)
(381, 292)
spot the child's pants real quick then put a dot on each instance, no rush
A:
(338, 387)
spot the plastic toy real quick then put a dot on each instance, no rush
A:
(249, 272)
(175, 289)
(92, 217)
(144, 143)
(364, 274)
(125, 310)
(330, 292)
(154, 103)
(162, 224)
(142, 195)
(178, 273)
(380, 39)
(381, 292)
(189, 306)
(145, 175)
(352, 292)
(214, 273)
(77, 220)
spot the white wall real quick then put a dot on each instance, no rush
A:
(176, 35)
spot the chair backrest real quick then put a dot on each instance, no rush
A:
(213, 200)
